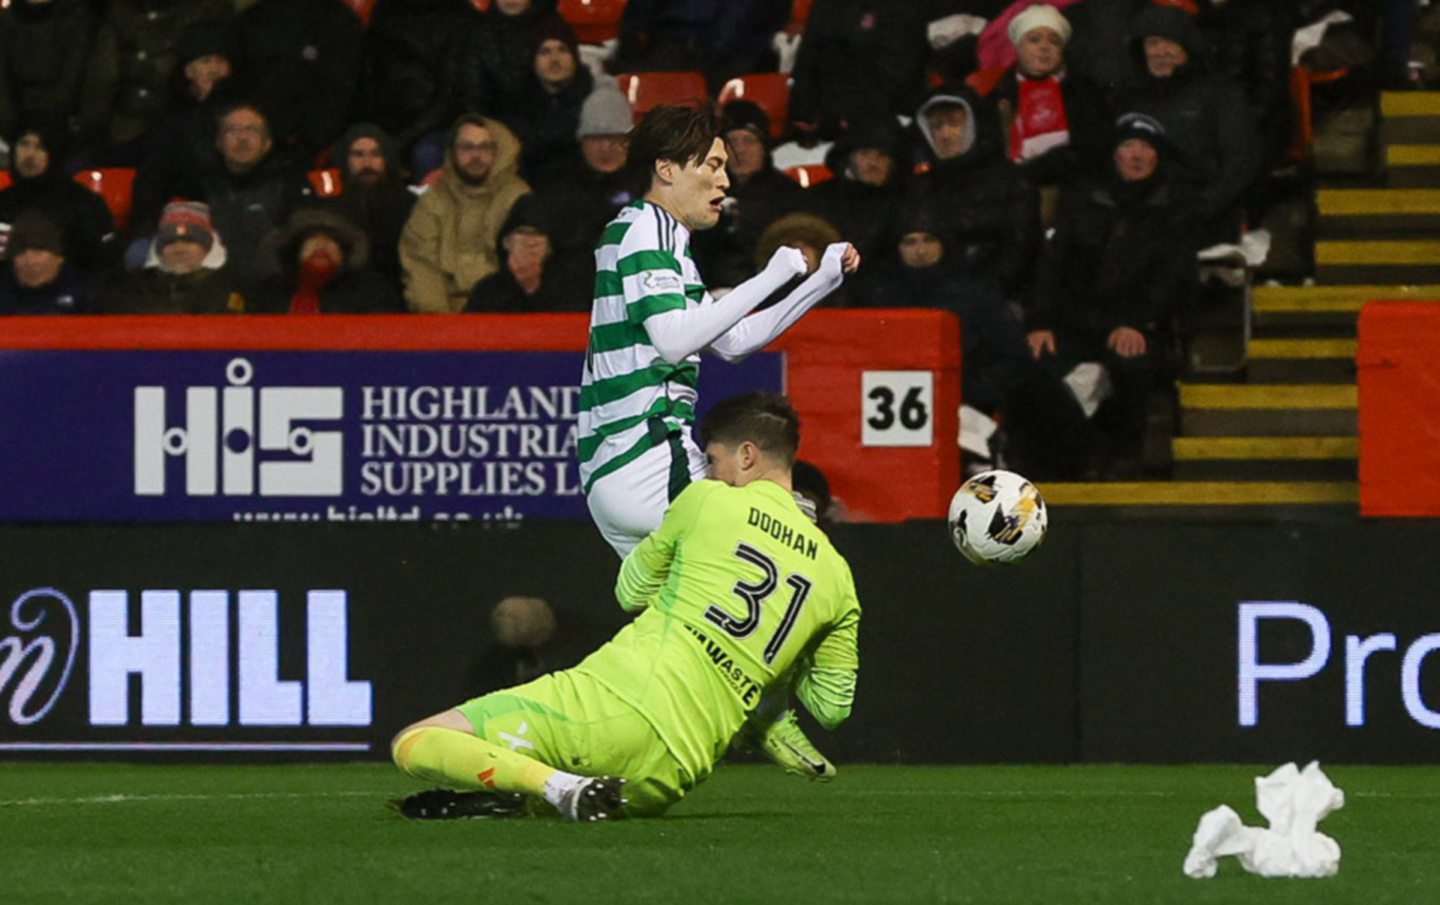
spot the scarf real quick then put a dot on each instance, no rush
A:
(316, 272)
(1040, 123)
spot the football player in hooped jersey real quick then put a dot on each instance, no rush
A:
(736, 589)
(651, 318)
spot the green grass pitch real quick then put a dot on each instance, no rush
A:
(314, 834)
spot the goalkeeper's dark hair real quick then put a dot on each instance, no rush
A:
(683, 133)
(765, 419)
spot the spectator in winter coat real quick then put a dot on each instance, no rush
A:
(991, 213)
(549, 111)
(859, 60)
(493, 57)
(1054, 124)
(43, 48)
(1119, 267)
(869, 184)
(1251, 42)
(924, 275)
(250, 191)
(449, 244)
(759, 194)
(184, 271)
(588, 189)
(721, 38)
(534, 277)
(127, 81)
(402, 83)
(374, 196)
(1208, 123)
(323, 270)
(305, 58)
(39, 184)
(1100, 48)
(36, 278)
(181, 148)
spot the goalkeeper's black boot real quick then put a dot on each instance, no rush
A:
(597, 798)
(447, 804)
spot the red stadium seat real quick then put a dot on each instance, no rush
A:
(362, 8)
(326, 181)
(799, 15)
(4, 179)
(116, 185)
(770, 90)
(810, 174)
(648, 90)
(594, 21)
(1302, 80)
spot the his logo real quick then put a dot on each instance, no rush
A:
(28, 656)
(219, 439)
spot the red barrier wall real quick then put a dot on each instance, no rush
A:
(1399, 375)
(827, 357)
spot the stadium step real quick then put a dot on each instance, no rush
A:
(1328, 305)
(1412, 166)
(1410, 117)
(1302, 360)
(1377, 261)
(1378, 212)
(1271, 409)
(1265, 458)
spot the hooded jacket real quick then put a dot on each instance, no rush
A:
(402, 81)
(1207, 119)
(380, 209)
(356, 289)
(988, 209)
(567, 278)
(493, 57)
(448, 244)
(81, 215)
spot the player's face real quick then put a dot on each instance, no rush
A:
(698, 188)
(1040, 52)
(722, 463)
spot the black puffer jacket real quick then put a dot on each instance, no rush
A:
(546, 122)
(43, 49)
(128, 77)
(1251, 42)
(1098, 46)
(247, 207)
(1207, 121)
(1120, 257)
(402, 84)
(305, 59)
(859, 59)
(153, 291)
(83, 218)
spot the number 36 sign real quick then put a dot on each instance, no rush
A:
(897, 408)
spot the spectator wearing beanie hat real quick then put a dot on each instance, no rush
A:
(534, 276)
(1119, 267)
(37, 279)
(1052, 122)
(588, 188)
(184, 273)
(759, 195)
(549, 112)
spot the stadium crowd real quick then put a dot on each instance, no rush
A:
(1045, 171)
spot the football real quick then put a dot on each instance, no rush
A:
(997, 517)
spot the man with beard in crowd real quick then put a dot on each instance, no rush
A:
(374, 197)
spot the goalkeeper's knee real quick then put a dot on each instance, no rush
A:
(402, 747)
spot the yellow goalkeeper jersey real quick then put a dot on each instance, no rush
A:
(736, 586)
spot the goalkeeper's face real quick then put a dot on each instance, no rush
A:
(697, 189)
(727, 463)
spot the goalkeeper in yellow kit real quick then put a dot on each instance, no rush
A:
(735, 590)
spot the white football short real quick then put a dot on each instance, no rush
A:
(629, 503)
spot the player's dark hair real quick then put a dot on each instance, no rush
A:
(765, 419)
(683, 133)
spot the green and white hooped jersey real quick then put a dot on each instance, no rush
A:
(630, 397)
